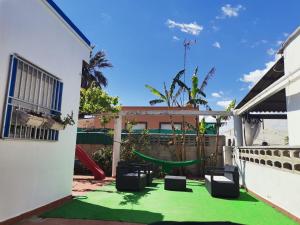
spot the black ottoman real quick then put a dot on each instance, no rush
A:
(175, 183)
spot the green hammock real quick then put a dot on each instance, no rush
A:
(167, 166)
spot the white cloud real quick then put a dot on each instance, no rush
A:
(230, 11)
(216, 95)
(285, 34)
(264, 41)
(217, 44)
(257, 43)
(175, 38)
(224, 104)
(271, 51)
(279, 43)
(215, 28)
(190, 28)
(254, 76)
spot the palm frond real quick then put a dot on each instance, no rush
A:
(101, 79)
(195, 81)
(208, 108)
(181, 84)
(156, 101)
(207, 77)
(167, 94)
(197, 101)
(178, 93)
(177, 77)
(155, 92)
(201, 93)
(99, 60)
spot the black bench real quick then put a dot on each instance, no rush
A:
(130, 178)
(175, 183)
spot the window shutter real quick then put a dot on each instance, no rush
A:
(12, 81)
(61, 86)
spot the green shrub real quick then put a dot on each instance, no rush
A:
(103, 157)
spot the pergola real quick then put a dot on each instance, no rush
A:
(118, 125)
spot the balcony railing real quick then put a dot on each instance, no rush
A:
(284, 157)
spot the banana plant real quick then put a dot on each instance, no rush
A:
(170, 98)
(196, 94)
(197, 98)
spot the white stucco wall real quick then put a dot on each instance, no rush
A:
(291, 65)
(34, 173)
(275, 185)
(273, 131)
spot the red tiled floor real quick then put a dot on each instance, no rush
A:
(82, 184)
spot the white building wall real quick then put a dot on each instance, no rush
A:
(272, 131)
(35, 173)
(275, 185)
(292, 65)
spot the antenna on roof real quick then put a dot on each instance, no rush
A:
(187, 46)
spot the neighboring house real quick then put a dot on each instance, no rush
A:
(143, 121)
(41, 54)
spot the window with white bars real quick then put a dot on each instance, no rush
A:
(35, 92)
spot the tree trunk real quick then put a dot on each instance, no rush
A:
(202, 155)
(217, 146)
(183, 152)
(177, 149)
(198, 143)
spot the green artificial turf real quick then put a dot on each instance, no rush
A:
(157, 204)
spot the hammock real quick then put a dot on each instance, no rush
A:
(167, 166)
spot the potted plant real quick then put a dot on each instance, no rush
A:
(31, 118)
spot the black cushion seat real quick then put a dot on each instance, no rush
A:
(130, 178)
(223, 182)
(145, 168)
(175, 183)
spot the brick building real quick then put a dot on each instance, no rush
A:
(143, 121)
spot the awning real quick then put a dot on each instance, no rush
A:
(276, 102)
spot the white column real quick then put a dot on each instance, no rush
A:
(116, 144)
(227, 155)
(238, 130)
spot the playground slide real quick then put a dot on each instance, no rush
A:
(89, 163)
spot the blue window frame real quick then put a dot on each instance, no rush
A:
(33, 91)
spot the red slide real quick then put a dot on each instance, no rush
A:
(89, 163)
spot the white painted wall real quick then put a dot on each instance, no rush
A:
(292, 64)
(273, 131)
(34, 173)
(275, 185)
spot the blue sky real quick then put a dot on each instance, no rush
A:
(144, 41)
